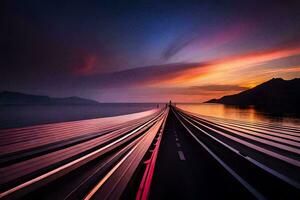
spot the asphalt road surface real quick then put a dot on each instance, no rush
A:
(200, 162)
(164, 153)
(185, 170)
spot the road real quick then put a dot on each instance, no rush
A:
(164, 153)
(226, 160)
(186, 171)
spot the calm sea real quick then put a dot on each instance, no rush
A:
(19, 116)
(233, 112)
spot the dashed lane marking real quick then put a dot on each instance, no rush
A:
(181, 155)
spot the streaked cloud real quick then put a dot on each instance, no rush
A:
(136, 77)
(218, 69)
(129, 51)
(178, 44)
(186, 74)
(197, 41)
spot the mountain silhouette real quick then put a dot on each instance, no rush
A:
(276, 95)
(16, 98)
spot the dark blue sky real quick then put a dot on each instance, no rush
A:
(145, 50)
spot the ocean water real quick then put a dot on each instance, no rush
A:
(249, 114)
(20, 116)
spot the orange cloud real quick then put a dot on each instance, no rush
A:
(213, 79)
(219, 68)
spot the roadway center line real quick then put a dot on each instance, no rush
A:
(176, 139)
(181, 155)
(178, 144)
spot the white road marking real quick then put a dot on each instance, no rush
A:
(176, 139)
(181, 155)
(178, 144)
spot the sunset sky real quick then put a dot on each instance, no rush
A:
(146, 51)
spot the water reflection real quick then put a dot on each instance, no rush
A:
(233, 112)
(28, 115)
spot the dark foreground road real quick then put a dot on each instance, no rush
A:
(198, 161)
(159, 154)
(185, 170)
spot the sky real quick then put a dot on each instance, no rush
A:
(146, 51)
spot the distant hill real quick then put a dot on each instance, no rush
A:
(16, 98)
(274, 95)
